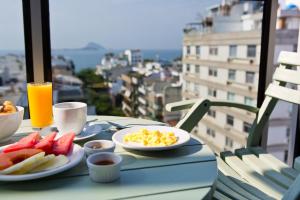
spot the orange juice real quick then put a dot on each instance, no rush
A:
(40, 104)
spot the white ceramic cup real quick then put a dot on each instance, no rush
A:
(70, 117)
(104, 173)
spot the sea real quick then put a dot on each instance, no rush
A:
(90, 58)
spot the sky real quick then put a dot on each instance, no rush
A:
(114, 24)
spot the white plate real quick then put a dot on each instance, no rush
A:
(182, 138)
(74, 158)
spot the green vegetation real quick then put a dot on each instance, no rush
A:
(98, 96)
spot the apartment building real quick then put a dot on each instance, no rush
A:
(148, 89)
(134, 56)
(154, 96)
(221, 61)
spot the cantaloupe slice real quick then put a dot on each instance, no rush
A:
(58, 161)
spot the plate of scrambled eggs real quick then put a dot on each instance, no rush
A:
(151, 138)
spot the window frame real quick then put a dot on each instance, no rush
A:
(246, 77)
(229, 118)
(249, 53)
(230, 51)
(234, 74)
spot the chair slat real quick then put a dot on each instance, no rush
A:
(228, 172)
(275, 163)
(219, 195)
(289, 58)
(253, 194)
(287, 75)
(266, 170)
(229, 192)
(254, 178)
(283, 93)
(294, 191)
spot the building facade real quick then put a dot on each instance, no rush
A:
(221, 62)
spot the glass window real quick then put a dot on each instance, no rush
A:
(211, 132)
(188, 68)
(211, 113)
(12, 55)
(229, 120)
(197, 89)
(197, 69)
(248, 101)
(232, 51)
(231, 74)
(251, 51)
(228, 142)
(213, 50)
(212, 71)
(246, 127)
(230, 96)
(250, 77)
(212, 92)
(198, 49)
(188, 50)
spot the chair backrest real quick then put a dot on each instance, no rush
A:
(287, 72)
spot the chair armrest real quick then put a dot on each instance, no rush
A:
(198, 108)
(234, 105)
(181, 105)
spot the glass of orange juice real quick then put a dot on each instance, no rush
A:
(40, 104)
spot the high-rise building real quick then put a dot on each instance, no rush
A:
(134, 56)
(221, 61)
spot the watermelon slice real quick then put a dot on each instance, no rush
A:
(63, 145)
(46, 143)
(25, 143)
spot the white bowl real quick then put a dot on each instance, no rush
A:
(106, 146)
(104, 173)
(9, 123)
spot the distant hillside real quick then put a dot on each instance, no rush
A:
(93, 46)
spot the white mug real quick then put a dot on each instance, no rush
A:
(70, 117)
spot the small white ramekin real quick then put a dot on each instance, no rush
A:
(104, 173)
(107, 146)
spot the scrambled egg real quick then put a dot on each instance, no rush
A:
(151, 138)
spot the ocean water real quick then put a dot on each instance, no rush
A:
(90, 58)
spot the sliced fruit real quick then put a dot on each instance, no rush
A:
(11, 158)
(5, 162)
(46, 143)
(20, 155)
(58, 161)
(39, 161)
(26, 142)
(24, 164)
(63, 144)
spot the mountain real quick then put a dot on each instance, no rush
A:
(93, 46)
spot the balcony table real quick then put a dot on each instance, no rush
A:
(188, 172)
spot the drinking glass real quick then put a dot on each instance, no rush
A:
(40, 104)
